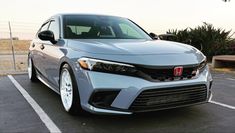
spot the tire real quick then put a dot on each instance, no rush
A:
(32, 71)
(69, 91)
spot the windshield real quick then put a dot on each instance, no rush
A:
(101, 27)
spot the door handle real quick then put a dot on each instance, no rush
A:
(42, 47)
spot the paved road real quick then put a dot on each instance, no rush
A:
(17, 115)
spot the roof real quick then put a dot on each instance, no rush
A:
(64, 14)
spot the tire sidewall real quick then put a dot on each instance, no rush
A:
(75, 107)
(33, 74)
(30, 67)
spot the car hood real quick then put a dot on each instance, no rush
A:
(128, 46)
(151, 52)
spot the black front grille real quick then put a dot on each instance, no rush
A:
(167, 74)
(157, 99)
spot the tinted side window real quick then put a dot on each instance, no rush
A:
(44, 27)
(129, 31)
(54, 27)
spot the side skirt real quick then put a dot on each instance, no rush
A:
(46, 83)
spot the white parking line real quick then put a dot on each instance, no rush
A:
(222, 104)
(43, 116)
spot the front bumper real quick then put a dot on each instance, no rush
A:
(129, 89)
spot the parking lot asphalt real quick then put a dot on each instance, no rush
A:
(16, 115)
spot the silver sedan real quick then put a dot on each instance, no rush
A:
(107, 64)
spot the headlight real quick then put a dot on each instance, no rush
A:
(202, 65)
(106, 66)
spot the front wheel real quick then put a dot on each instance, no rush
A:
(69, 91)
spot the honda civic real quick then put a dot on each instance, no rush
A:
(110, 65)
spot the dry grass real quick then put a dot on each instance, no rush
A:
(227, 70)
(6, 63)
(230, 70)
(21, 46)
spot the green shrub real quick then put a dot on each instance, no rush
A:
(210, 40)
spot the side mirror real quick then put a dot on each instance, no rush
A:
(154, 36)
(47, 35)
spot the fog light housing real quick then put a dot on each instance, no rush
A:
(103, 99)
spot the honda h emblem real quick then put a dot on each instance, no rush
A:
(178, 71)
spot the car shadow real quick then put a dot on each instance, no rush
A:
(175, 119)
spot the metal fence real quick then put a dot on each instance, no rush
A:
(14, 42)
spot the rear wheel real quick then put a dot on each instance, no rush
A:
(31, 71)
(69, 91)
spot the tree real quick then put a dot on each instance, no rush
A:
(210, 40)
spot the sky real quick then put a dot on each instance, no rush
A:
(156, 16)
